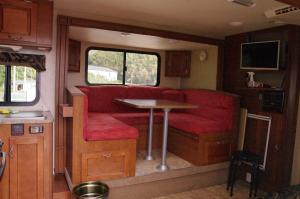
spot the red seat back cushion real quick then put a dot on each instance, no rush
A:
(173, 95)
(101, 98)
(212, 105)
(144, 92)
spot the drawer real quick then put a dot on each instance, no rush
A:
(217, 151)
(105, 165)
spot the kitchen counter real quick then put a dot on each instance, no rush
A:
(27, 117)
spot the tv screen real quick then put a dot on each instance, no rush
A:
(260, 55)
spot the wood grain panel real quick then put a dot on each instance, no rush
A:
(27, 168)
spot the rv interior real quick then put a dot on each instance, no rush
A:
(149, 99)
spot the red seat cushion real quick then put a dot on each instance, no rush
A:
(105, 127)
(138, 118)
(194, 124)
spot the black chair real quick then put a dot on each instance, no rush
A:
(242, 157)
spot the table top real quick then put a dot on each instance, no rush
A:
(155, 104)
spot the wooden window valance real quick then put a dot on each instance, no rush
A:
(35, 61)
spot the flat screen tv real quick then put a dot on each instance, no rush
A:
(260, 55)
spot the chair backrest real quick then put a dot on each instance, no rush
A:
(245, 116)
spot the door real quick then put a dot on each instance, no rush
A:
(18, 20)
(26, 167)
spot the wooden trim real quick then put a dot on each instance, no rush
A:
(66, 110)
(291, 2)
(60, 98)
(292, 105)
(142, 30)
(220, 67)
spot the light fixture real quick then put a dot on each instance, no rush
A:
(125, 34)
(236, 23)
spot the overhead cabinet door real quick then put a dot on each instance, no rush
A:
(18, 20)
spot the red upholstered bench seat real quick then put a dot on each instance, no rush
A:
(101, 126)
(194, 124)
(138, 118)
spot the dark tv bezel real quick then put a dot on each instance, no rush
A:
(256, 68)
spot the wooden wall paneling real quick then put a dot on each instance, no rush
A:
(281, 143)
(61, 71)
(292, 104)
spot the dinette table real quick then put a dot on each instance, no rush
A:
(166, 106)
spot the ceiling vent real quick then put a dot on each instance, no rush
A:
(284, 10)
(247, 3)
(287, 14)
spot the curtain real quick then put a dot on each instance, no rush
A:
(35, 61)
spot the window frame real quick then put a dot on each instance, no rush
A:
(7, 93)
(124, 51)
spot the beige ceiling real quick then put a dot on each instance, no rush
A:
(201, 17)
(132, 40)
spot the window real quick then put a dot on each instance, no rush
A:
(18, 85)
(113, 66)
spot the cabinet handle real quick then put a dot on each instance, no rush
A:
(276, 147)
(107, 155)
(11, 152)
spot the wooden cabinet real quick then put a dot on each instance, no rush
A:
(26, 23)
(178, 63)
(105, 165)
(28, 172)
(74, 55)
(18, 20)
(26, 167)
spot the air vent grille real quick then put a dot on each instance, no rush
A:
(286, 10)
(282, 11)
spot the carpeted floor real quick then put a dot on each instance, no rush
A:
(215, 192)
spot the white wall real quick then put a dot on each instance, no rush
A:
(203, 74)
(75, 79)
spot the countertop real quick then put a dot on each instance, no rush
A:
(46, 117)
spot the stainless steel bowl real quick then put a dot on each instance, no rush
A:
(91, 190)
